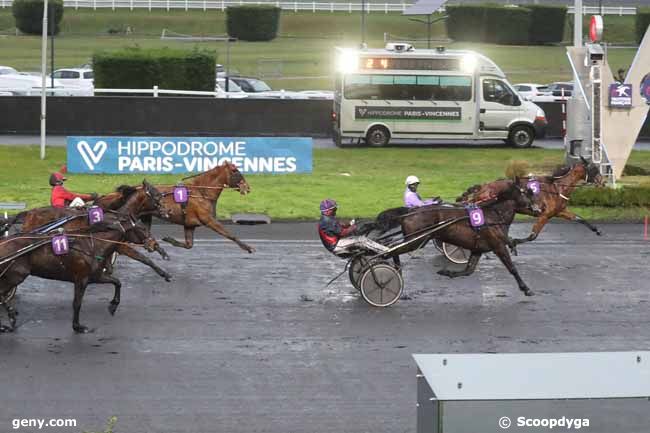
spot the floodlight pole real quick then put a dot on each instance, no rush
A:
(363, 22)
(43, 78)
(52, 20)
(577, 23)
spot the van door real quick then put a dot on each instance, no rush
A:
(499, 107)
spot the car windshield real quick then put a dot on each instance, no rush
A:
(259, 86)
(7, 71)
(232, 86)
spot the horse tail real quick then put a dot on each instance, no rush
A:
(386, 220)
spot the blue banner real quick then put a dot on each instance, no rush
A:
(161, 155)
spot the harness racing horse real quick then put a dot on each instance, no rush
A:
(27, 254)
(199, 207)
(552, 197)
(492, 235)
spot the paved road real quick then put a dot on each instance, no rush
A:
(325, 143)
(257, 343)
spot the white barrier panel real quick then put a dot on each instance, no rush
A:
(603, 392)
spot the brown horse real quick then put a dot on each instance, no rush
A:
(498, 211)
(200, 208)
(88, 249)
(552, 198)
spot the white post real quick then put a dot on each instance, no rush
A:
(313, 7)
(43, 79)
(149, 5)
(186, 5)
(350, 7)
(155, 91)
(131, 4)
(577, 23)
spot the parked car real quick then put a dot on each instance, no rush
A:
(562, 89)
(234, 91)
(75, 77)
(318, 94)
(22, 84)
(257, 88)
(531, 91)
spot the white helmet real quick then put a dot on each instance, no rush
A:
(411, 180)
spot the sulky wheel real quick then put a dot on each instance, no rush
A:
(438, 244)
(8, 296)
(355, 271)
(456, 254)
(381, 285)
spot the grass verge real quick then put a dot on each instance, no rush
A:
(363, 181)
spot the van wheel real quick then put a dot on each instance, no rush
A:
(521, 136)
(377, 136)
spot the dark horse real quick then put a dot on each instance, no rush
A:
(498, 211)
(135, 201)
(200, 209)
(83, 264)
(552, 199)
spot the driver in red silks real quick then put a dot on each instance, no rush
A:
(61, 197)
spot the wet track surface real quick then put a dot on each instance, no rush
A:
(257, 343)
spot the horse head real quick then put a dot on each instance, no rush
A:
(592, 173)
(521, 195)
(154, 199)
(236, 179)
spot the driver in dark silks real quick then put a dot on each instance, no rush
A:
(338, 238)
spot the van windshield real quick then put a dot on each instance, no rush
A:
(408, 87)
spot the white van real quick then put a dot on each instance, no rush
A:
(403, 93)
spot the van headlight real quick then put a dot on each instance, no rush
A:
(468, 63)
(347, 62)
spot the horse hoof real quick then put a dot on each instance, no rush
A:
(80, 329)
(169, 240)
(250, 250)
(443, 272)
(4, 329)
(529, 292)
(112, 308)
(599, 233)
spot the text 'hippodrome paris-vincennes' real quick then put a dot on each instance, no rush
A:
(196, 156)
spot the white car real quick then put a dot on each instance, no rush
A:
(318, 94)
(77, 81)
(533, 92)
(234, 91)
(23, 84)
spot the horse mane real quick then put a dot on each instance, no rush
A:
(126, 191)
(561, 171)
(201, 177)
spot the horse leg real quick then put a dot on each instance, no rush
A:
(189, 239)
(217, 227)
(109, 279)
(126, 250)
(499, 248)
(568, 215)
(79, 291)
(469, 268)
(537, 228)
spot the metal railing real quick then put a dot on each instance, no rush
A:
(296, 5)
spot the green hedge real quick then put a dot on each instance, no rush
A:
(466, 22)
(628, 196)
(546, 24)
(253, 23)
(135, 68)
(505, 24)
(642, 21)
(29, 15)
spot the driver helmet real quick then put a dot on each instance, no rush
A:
(59, 177)
(411, 180)
(327, 206)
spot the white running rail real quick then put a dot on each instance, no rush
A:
(296, 5)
